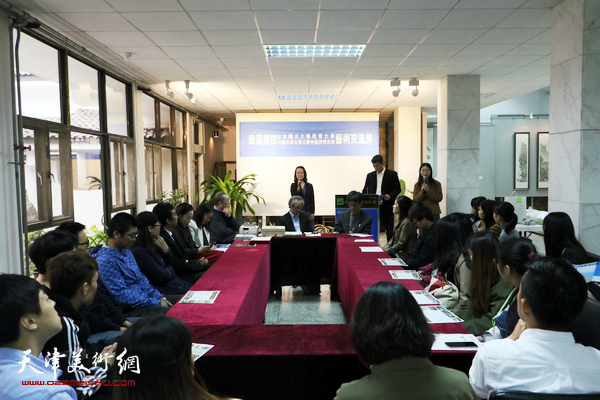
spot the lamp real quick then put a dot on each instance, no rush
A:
(188, 94)
(215, 134)
(395, 82)
(168, 91)
(414, 82)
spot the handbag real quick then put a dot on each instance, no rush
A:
(446, 292)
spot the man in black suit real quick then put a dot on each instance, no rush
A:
(223, 226)
(355, 220)
(295, 221)
(385, 183)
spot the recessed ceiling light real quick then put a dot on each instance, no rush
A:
(318, 50)
(308, 97)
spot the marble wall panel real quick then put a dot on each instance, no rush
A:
(463, 129)
(565, 96)
(459, 200)
(590, 167)
(590, 107)
(463, 92)
(565, 162)
(589, 229)
(567, 31)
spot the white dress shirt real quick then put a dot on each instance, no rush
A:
(379, 180)
(540, 361)
(296, 221)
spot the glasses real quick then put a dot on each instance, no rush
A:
(86, 243)
(158, 225)
(132, 236)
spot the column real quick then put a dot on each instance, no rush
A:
(407, 144)
(458, 141)
(574, 147)
(10, 250)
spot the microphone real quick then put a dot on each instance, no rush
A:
(426, 179)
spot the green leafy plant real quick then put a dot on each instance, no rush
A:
(96, 235)
(176, 196)
(95, 182)
(238, 193)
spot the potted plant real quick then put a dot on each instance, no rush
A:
(238, 191)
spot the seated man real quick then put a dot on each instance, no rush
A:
(78, 230)
(128, 287)
(545, 357)
(28, 321)
(423, 251)
(47, 246)
(223, 226)
(73, 283)
(354, 220)
(295, 221)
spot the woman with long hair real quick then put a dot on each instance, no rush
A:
(199, 225)
(190, 232)
(391, 336)
(486, 216)
(405, 233)
(475, 202)
(487, 291)
(153, 256)
(428, 191)
(504, 215)
(560, 240)
(163, 347)
(302, 188)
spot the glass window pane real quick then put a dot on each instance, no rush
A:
(116, 106)
(40, 91)
(31, 177)
(182, 173)
(86, 151)
(149, 174)
(116, 171)
(149, 118)
(129, 172)
(83, 95)
(167, 167)
(179, 129)
(165, 124)
(157, 172)
(56, 178)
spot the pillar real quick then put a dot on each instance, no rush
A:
(407, 144)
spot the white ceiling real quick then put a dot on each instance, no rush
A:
(217, 45)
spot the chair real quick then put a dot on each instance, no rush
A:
(586, 327)
(522, 395)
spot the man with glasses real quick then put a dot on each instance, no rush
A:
(354, 220)
(294, 220)
(223, 226)
(423, 251)
(128, 287)
(78, 230)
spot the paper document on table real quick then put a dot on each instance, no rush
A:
(456, 341)
(290, 233)
(590, 271)
(261, 239)
(371, 249)
(403, 274)
(361, 235)
(363, 240)
(197, 297)
(311, 234)
(198, 350)
(423, 297)
(393, 261)
(222, 247)
(439, 315)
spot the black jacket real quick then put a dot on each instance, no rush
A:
(157, 268)
(363, 225)
(309, 196)
(423, 253)
(286, 220)
(222, 228)
(389, 185)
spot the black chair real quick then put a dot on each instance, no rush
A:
(521, 395)
(586, 327)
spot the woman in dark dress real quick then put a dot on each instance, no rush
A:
(301, 187)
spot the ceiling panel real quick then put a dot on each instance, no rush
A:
(214, 5)
(223, 20)
(290, 36)
(249, 71)
(480, 18)
(91, 6)
(326, 36)
(98, 22)
(506, 35)
(177, 38)
(118, 39)
(424, 50)
(486, 49)
(354, 4)
(146, 5)
(365, 19)
(244, 62)
(189, 52)
(269, 5)
(140, 53)
(490, 4)
(160, 21)
(199, 63)
(530, 49)
(412, 61)
(454, 36)
(531, 18)
(423, 4)
(386, 50)
(409, 19)
(399, 36)
(239, 51)
(286, 19)
(230, 38)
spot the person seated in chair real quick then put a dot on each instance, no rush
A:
(295, 221)
(354, 220)
(541, 355)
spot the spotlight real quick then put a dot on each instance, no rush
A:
(414, 82)
(215, 134)
(127, 56)
(188, 94)
(168, 91)
(396, 92)
(395, 82)
(415, 92)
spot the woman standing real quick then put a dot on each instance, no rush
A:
(428, 191)
(301, 187)
(405, 233)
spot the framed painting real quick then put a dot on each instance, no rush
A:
(521, 160)
(542, 161)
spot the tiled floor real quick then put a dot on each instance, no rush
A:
(295, 307)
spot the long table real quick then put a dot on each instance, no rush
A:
(254, 361)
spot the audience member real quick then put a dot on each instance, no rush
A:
(504, 215)
(184, 259)
(475, 202)
(486, 216)
(354, 220)
(73, 282)
(513, 261)
(392, 337)
(487, 291)
(47, 246)
(423, 251)
(153, 256)
(199, 229)
(405, 233)
(78, 230)
(302, 188)
(128, 287)
(28, 321)
(385, 183)
(294, 220)
(428, 191)
(163, 347)
(223, 226)
(560, 241)
(542, 358)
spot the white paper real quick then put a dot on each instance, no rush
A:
(404, 274)
(393, 261)
(198, 350)
(261, 239)
(442, 338)
(360, 235)
(423, 297)
(363, 240)
(290, 233)
(311, 234)
(371, 249)
(439, 315)
(200, 297)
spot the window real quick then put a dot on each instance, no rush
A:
(83, 95)
(153, 173)
(182, 169)
(167, 169)
(88, 190)
(116, 106)
(149, 107)
(165, 124)
(179, 130)
(122, 167)
(40, 88)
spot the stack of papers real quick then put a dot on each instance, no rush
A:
(363, 240)
(392, 261)
(311, 234)
(261, 239)
(200, 297)
(439, 315)
(198, 350)
(360, 235)
(371, 249)
(423, 297)
(456, 341)
(404, 274)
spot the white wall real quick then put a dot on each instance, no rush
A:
(537, 102)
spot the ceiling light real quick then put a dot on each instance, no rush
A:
(169, 92)
(215, 134)
(307, 96)
(415, 92)
(395, 82)
(414, 82)
(188, 94)
(127, 56)
(315, 50)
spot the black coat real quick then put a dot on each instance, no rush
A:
(286, 220)
(222, 228)
(389, 185)
(309, 196)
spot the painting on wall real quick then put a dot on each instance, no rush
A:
(542, 167)
(521, 160)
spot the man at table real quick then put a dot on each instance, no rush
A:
(354, 220)
(385, 183)
(294, 220)
(223, 226)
